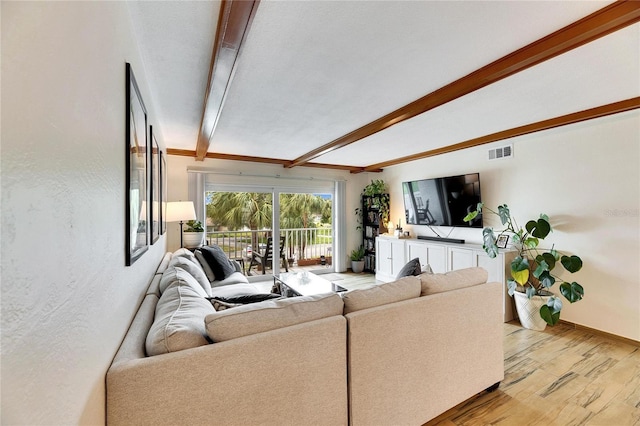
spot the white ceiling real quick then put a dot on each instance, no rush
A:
(312, 71)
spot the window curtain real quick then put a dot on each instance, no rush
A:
(339, 227)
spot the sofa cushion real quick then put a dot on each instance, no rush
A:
(382, 294)
(176, 273)
(194, 269)
(270, 315)
(218, 261)
(205, 266)
(179, 320)
(235, 290)
(412, 267)
(437, 283)
(235, 278)
(183, 252)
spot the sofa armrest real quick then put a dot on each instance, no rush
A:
(295, 375)
(412, 360)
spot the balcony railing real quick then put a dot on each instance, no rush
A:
(300, 243)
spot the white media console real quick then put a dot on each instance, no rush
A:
(393, 253)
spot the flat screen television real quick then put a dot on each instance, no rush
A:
(442, 201)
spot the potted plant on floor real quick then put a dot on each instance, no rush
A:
(357, 260)
(531, 270)
(193, 234)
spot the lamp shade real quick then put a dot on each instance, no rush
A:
(180, 211)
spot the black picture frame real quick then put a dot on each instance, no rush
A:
(137, 191)
(154, 166)
(163, 193)
(502, 241)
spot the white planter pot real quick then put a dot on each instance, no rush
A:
(529, 310)
(357, 266)
(192, 239)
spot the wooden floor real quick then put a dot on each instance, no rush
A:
(561, 376)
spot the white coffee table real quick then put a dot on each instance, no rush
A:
(304, 284)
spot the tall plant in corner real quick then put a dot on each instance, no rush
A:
(531, 269)
(378, 188)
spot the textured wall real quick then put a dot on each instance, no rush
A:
(586, 178)
(67, 298)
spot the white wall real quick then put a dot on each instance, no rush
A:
(178, 166)
(67, 298)
(586, 178)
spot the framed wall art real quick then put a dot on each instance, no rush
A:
(154, 164)
(502, 241)
(163, 193)
(137, 195)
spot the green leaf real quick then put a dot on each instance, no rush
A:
(489, 242)
(531, 291)
(531, 242)
(511, 286)
(572, 292)
(520, 270)
(555, 304)
(470, 216)
(571, 264)
(555, 254)
(548, 316)
(539, 228)
(546, 279)
(503, 212)
(542, 267)
(544, 216)
(549, 258)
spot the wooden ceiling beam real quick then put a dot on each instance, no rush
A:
(600, 23)
(234, 22)
(266, 160)
(589, 114)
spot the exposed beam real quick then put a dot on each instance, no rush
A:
(589, 114)
(600, 23)
(232, 157)
(233, 26)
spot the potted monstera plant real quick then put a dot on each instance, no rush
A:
(532, 277)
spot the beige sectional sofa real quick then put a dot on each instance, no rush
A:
(394, 354)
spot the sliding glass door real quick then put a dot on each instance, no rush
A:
(240, 220)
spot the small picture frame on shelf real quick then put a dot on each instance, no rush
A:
(502, 241)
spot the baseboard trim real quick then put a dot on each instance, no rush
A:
(602, 333)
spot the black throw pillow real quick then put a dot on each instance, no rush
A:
(218, 262)
(247, 298)
(411, 268)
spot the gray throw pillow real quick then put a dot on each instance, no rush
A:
(411, 268)
(217, 261)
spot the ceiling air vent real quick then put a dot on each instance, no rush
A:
(502, 152)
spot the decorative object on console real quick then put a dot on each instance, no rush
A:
(179, 211)
(531, 269)
(357, 260)
(136, 227)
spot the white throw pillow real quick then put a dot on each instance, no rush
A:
(179, 320)
(194, 269)
(176, 273)
(183, 252)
